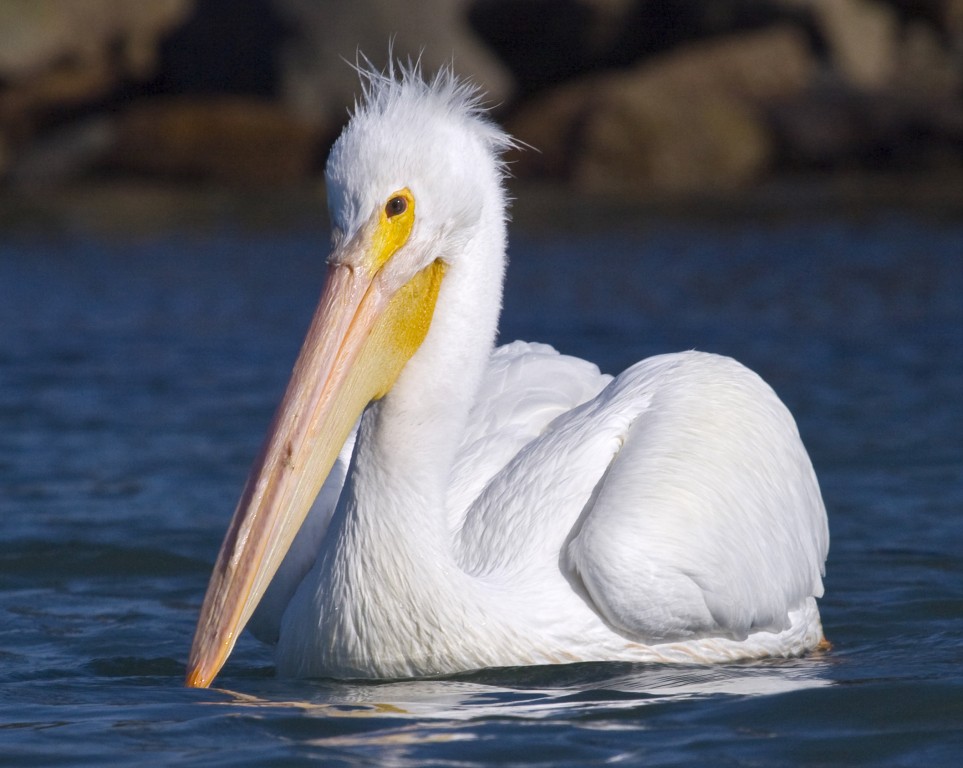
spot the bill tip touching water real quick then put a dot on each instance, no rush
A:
(497, 506)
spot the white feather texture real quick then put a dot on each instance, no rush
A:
(515, 506)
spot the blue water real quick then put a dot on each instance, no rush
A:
(138, 372)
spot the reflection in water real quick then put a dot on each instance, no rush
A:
(486, 717)
(571, 691)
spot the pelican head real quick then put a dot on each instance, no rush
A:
(415, 194)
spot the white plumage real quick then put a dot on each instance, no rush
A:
(508, 506)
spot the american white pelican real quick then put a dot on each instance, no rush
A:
(505, 506)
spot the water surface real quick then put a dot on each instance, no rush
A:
(137, 375)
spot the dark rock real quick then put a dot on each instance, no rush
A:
(232, 140)
(891, 130)
(68, 152)
(545, 44)
(43, 35)
(57, 57)
(223, 47)
(316, 79)
(660, 138)
(692, 119)
(862, 36)
(926, 63)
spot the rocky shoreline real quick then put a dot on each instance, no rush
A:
(618, 97)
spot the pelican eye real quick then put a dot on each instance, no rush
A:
(396, 206)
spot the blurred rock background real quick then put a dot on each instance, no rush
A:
(644, 96)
